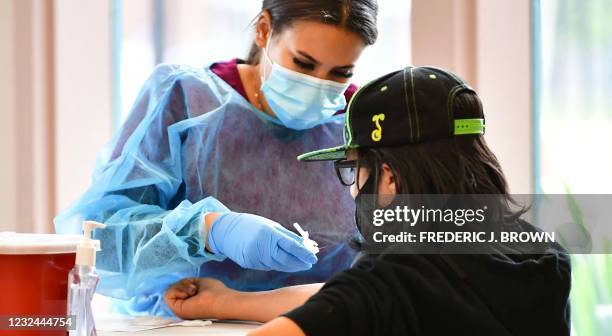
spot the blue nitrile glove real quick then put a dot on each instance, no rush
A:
(256, 242)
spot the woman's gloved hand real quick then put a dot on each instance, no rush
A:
(256, 242)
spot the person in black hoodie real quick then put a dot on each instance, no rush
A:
(416, 131)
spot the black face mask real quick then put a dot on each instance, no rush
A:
(361, 208)
(364, 208)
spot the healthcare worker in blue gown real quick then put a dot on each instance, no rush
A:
(202, 180)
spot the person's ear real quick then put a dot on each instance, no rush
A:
(263, 29)
(387, 182)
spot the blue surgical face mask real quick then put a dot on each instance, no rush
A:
(300, 101)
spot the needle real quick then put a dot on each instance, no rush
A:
(300, 230)
(309, 243)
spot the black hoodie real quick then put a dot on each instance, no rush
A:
(496, 294)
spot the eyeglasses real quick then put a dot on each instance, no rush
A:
(345, 169)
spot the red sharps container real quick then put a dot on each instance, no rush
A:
(34, 280)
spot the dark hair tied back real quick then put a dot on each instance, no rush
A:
(358, 16)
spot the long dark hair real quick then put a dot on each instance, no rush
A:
(358, 16)
(460, 165)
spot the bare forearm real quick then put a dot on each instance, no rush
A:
(264, 306)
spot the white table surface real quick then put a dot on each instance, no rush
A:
(217, 328)
(100, 307)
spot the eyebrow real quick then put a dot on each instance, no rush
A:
(313, 60)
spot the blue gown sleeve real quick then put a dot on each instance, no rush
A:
(137, 190)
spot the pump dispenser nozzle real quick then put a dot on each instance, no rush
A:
(86, 250)
(82, 282)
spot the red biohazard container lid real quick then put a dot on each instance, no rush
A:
(35, 243)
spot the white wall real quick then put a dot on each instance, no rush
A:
(26, 104)
(7, 108)
(504, 83)
(488, 42)
(443, 34)
(83, 90)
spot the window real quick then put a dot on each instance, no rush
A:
(573, 73)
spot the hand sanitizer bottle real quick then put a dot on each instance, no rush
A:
(82, 282)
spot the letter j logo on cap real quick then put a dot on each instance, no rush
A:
(377, 133)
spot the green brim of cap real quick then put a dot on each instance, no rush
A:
(336, 153)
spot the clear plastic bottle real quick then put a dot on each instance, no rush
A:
(82, 282)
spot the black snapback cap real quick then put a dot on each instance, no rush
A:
(408, 106)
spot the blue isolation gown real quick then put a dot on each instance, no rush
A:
(192, 145)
